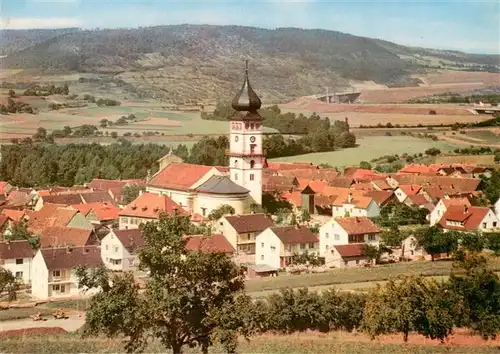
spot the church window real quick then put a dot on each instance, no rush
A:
(252, 177)
(252, 126)
(235, 176)
(236, 138)
(252, 139)
(235, 163)
(252, 163)
(246, 126)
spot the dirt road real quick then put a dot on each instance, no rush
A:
(71, 324)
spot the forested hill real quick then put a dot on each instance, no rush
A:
(283, 59)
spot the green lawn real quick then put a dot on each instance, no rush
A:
(310, 343)
(370, 148)
(487, 136)
(353, 276)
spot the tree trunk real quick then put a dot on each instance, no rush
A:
(403, 251)
(176, 348)
(405, 336)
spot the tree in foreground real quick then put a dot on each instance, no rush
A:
(20, 231)
(8, 285)
(222, 210)
(475, 291)
(186, 300)
(408, 304)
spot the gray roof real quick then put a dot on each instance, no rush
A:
(221, 185)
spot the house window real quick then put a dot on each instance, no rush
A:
(289, 248)
(116, 261)
(235, 176)
(115, 248)
(484, 225)
(130, 262)
(371, 237)
(326, 235)
(337, 237)
(273, 248)
(203, 211)
(311, 245)
(19, 275)
(357, 261)
(221, 223)
(252, 177)
(125, 220)
(262, 244)
(302, 246)
(494, 224)
(252, 163)
(107, 247)
(56, 273)
(19, 261)
(261, 257)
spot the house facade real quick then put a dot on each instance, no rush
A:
(54, 275)
(17, 257)
(119, 249)
(441, 207)
(276, 246)
(346, 256)
(469, 219)
(343, 231)
(360, 206)
(241, 232)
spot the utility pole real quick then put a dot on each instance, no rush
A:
(327, 98)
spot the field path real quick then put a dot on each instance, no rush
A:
(71, 324)
(468, 143)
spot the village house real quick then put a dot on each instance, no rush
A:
(148, 207)
(355, 205)
(53, 271)
(99, 214)
(61, 236)
(115, 188)
(343, 231)
(404, 191)
(276, 246)
(408, 250)
(54, 215)
(382, 198)
(5, 188)
(347, 256)
(212, 243)
(16, 257)
(72, 198)
(469, 218)
(497, 208)
(119, 249)
(241, 232)
(441, 207)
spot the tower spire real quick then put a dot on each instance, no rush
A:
(246, 99)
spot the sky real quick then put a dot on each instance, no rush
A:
(467, 25)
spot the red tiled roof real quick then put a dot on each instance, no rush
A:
(130, 239)
(50, 215)
(65, 199)
(2, 186)
(380, 197)
(106, 184)
(250, 222)
(471, 217)
(410, 189)
(434, 192)
(381, 184)
(150, 205)
(279, 183)
(341, 182)
(358, 225)
(14, 215)
(454, 183)
(316, 185)
(57, 236)
(419, 169)
(68, 258)
(364, 186)
(289, 165)
(290, 235)
(362, 175)
(103, 211)
(418, 199)
(15, 249)
(3, 221)
(351, 250)
(312, 173)
(179, 176)
(295, 198)
(213, 243)
(19, 198)
(456, 202)
(359, 201)
(349, 171)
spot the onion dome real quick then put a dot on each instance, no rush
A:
(246, 99)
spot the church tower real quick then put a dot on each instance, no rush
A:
(246, 157)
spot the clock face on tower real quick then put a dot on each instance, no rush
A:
(252, 139)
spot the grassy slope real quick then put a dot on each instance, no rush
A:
(370, 148)
(292, 344)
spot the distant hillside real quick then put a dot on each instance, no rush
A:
(203, 62)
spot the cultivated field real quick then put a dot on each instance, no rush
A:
(371, 147)
(298, 343)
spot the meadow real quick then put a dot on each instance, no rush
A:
(298, 343)
(370, 147)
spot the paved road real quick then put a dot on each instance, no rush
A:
(71, 324)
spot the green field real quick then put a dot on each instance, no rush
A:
(487, 136)
(310, 343)
(370, 148)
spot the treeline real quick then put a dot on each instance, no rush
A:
(15, 107)
(47, 90)
(492, 98)
(404, 305)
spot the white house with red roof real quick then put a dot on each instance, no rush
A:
(53, 271)
(343, 231)
(355, 204)
(346, 256)
(16, 257)
(276, 246)
(404, 191)
(119, 249)
(443, 205)
(469, 219)
(496, 207)
(148, 207)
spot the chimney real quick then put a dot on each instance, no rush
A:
(68, 249)
(466, 209)
(349, 198)
(85, 250)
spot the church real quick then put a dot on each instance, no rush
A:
(200, 189)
